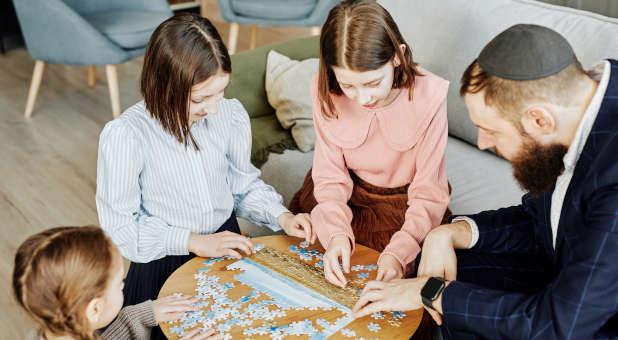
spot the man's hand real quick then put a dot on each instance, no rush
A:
(396, 295)
(297, 226)
(389, 268)
(338, 248)
(438, 255)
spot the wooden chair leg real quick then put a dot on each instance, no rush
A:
(315, 30)
(37, 75)
(234, 27)
(92, 78)
(112, 83)
(253, 42)
(203, 4)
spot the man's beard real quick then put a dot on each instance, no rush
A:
(537, 166)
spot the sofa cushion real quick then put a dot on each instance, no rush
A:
(247, 83)
(273, 9)
(465, 27)
(128, 29)
(480, 180)
(288, 84)
(268, 136)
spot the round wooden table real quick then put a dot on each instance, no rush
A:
(385, 325)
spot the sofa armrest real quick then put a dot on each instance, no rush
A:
(249, 70)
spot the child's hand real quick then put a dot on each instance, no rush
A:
(197, 334)
(220, 244)
(389, 268)
(297, 226)
(339, 247)
(172, 307)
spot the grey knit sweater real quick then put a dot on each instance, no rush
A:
(132, 323)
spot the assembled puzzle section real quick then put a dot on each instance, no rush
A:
(278, 294)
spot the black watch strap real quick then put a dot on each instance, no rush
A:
(428, 303)
(432, 290)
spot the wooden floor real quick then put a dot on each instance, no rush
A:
(48, 162)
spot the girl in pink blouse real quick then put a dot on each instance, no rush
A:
(379, 174)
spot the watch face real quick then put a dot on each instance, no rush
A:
(432, 288)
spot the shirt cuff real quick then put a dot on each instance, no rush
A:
(145, 313)
(473, 227)
(273, 212)
(176, 241)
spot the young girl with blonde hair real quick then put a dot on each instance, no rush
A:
(69, 280)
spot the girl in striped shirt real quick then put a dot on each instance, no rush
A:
(174, 170)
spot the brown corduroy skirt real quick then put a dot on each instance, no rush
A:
(377, 212)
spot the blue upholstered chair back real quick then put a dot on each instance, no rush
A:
(57, 31)
(277, 12)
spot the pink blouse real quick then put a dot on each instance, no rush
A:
(403, 142)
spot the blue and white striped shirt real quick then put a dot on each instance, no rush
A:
(152, 192)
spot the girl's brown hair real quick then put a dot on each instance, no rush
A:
(360, 35)
(58, 272)
(183, 51)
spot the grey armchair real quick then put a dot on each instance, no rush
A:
(87, 32)
(307, 13)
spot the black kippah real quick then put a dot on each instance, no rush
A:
(526, 52)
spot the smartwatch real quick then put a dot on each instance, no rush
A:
(432, 290)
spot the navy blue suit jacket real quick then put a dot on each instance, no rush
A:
(581, 301)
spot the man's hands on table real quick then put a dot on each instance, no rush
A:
(437, 260)
(438, 254)
(396, 295)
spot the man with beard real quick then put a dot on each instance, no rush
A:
(548, 268)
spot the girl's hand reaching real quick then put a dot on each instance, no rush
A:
(220, 244)
(197, 334)
(298, 226)
(172, 307)
(338, 248)
(389, 268)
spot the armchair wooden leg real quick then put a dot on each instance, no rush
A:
(253, 42)
(315, 30)
(112, 83)
(203, 4)
(234, 27)
(92, 78)
(37, 75)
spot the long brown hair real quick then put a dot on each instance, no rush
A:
(184, 50)
(360, 35)
(58, 272)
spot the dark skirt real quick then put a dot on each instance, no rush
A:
(144, 280)
(377, 213)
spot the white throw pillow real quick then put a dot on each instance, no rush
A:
(287, 88)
